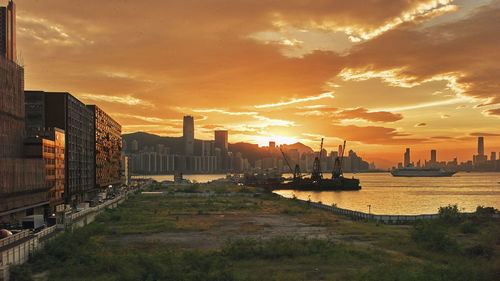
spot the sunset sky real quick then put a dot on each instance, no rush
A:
(382, 74)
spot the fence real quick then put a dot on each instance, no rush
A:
(14, 238)
(389, 219)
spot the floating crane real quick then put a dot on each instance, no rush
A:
(337, 168)
(316, 173)
(296, 173)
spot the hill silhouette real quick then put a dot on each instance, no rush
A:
(248, 150)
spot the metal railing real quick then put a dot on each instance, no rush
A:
(390, 219)
(16, 237)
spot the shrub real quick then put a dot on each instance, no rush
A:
(485, 212)
(432, 236)
(450, 214)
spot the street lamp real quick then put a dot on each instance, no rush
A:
(369, 209)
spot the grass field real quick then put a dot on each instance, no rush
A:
(263, 238)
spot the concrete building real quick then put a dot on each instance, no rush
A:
(8, 31)
(22, 181)
(62, 110)
(49, 144)
(107, 148)
(188, 135)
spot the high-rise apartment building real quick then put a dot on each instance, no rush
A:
(221, 140)
(107, 148)
(22, 181)
(221, 143)
(62, 110)
(188, 135)
(8, 31)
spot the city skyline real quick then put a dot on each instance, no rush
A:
(290, 74)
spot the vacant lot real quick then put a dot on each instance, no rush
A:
(262, 238)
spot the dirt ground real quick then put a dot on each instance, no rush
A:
(233, 227)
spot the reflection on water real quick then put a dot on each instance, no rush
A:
(399, 196)
(411, 196)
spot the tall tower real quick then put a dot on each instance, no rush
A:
(8, 31)
(433, 156)
(188, 135)
(221, 144)
(480, 146)
(407, 158)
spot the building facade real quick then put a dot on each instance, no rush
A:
(49, 144)
(108, 148)
(62, 110)
(221, 143)
(8, 31)
(22, 181)
(188, 135)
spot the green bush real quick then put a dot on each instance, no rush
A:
(450, 214)
(485, 212)
(432, 236)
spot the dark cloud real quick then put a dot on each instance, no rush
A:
(421, 125)
(477, 134)
(493, 112)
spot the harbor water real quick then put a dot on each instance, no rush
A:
(384, 194)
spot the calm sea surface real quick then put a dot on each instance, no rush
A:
(401, 196)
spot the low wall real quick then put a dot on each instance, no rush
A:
(17, 248)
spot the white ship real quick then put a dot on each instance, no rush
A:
(418, 172)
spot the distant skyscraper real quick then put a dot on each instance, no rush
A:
(433, 156)
(407, 157)
(8, 31)
(188, 135)
(221, 137)
(493, 156)
(480, 146)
